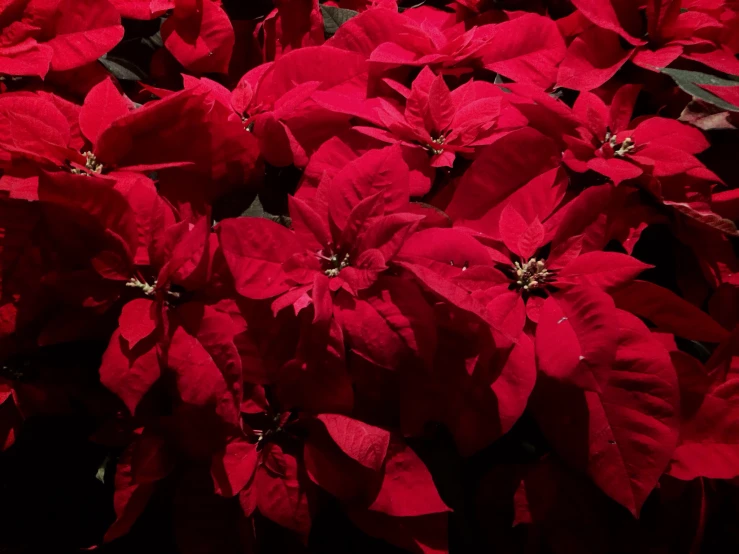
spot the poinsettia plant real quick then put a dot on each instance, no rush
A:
(369, 276)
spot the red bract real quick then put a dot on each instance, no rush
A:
(291, 25)
(39, 36)
(275, 101)
(611, 145)
(390, 40)
(10, 419)
(666, 32)
(707, 428)
(142, 9)
(199, 35)
(178, 329)
(629, 437)
(365, 276)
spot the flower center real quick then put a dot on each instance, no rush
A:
(619, 149)
(248, 123)
(531, 275)
(275, 428)
(333, 264)
(146, 288)
(437, 145)
(171, 297)
(91, 166)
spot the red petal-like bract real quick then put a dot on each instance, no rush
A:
(316, 276)
(630, 426)
(200, 36)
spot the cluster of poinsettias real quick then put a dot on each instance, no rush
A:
(308, 235)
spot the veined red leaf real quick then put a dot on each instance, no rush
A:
(407, 488)
(709, 438)
(255, 249)
(668, 312)
(576, 336)
(129, 374)
(234, 467)
(605, 270)
(625, 434)
(376, 171)
(364, 443)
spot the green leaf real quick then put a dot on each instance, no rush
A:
(333, 18)
(122, 69)
(154, 41)
(257, 210)
(689, 81)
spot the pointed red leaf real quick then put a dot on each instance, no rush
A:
(128, 374)
(531, 240)
(364, 443)
(407, 488)
(255, 250)
(630, 426)
(201, 40)
(137, 321)
(376, 171)
(281, 494)
(103, 105)
(592, 59)
(84, 31)
(668, 312)
(234, 467)
(576, 336)
(527, 49)
(512, 227)
(709, 438)
(605, 270)
(130, 498)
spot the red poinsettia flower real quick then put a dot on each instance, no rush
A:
(108, 123)
(36, 37)
(274, 101)
(224, 158)
(655, 36)
(526, 48)
(72, 252)
(109, 137)
(277, 465)
(521, 299)
(441, 122)
(337, 255)
(343, 245)
(173, 329)
(610, 144)
(561, 290)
